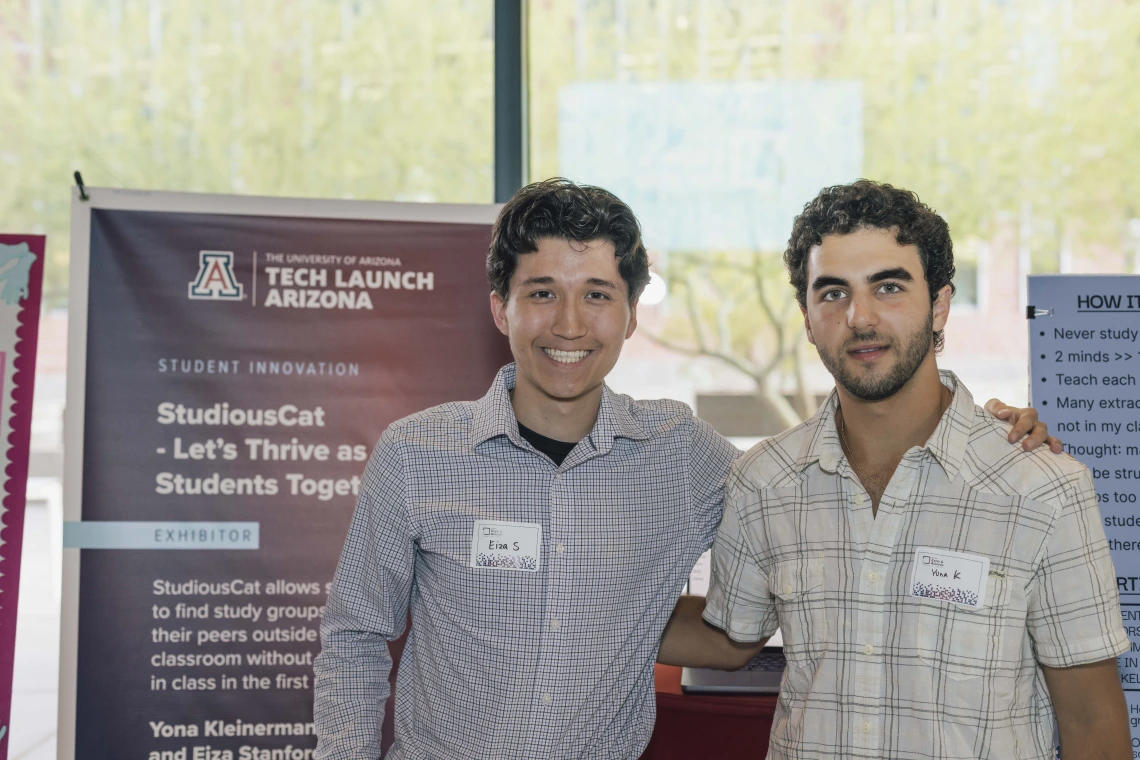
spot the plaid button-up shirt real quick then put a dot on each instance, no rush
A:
(509, 664)
(873, 671)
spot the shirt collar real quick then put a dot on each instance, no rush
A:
(615, 421)
(947, 443)
(949, 440)
(494, 416)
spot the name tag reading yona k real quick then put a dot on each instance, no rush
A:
(950, 576)
(506, 545)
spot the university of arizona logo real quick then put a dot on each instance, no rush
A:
(215, 280)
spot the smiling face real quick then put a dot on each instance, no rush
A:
(567, 315)
(869, 312)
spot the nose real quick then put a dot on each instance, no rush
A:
(569, 323)
(862, 313)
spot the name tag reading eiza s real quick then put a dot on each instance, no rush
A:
(950, 576)
(499, 545)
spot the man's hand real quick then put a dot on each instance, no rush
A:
(1092, 716)
(1025, 426)
(689, 641)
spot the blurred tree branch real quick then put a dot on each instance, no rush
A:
(736, 309)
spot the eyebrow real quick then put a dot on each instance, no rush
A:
(898, 273)
(596, 282)
(827, 281)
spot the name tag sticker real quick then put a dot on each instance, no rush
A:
(506, 545)
(950, 576)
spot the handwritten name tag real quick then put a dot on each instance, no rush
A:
(499, 545)
(950, 576)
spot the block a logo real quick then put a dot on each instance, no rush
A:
(216, 280)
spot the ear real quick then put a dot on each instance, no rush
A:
(632, 319)
(499, 312)
(941, 308)
(807, 326)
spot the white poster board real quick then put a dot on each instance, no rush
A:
(1084, 341)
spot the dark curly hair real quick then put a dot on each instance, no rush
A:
(559, 208)
(864, 204)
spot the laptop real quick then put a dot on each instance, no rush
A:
(761, 675)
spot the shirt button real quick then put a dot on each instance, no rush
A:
(873, 577)
(555, 624)
(547, 699)
(859, 499)
(787, 588)
(560, 548)
(867, 727)
(868, 649)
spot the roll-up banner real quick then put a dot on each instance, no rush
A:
(21, 277)
(231, 362)
(1084, 343)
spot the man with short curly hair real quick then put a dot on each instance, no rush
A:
(843, 209)
(940, 594)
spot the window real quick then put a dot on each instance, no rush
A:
(328, 98)
(717, 120)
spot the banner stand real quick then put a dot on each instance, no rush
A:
(231, 362)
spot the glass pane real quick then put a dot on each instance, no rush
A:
(318, 98)
(718, 119)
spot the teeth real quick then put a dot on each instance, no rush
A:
(565, 357)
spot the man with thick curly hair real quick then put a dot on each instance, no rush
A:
(843, 209)
(940, 594)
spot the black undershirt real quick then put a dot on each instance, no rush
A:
(556, 450)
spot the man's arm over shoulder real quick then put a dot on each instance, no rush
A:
(367, 607)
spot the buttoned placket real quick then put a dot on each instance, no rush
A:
(545, 689)
(875, 545)
(559, 559)
(544, 697)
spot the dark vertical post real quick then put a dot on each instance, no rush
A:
(510, 98)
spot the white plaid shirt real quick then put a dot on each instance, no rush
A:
(506, 664)
(874, 672)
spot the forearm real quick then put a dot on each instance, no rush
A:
(1092, 716)
(690, 641)
(367, 607)
(1105, 739)
(349, 692)
(351, 674)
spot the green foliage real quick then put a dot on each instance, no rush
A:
(735, 308)
(1023, 109)
(314, 98)
(980, 107)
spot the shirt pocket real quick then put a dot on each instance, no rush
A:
(799, 588)
(964, 642)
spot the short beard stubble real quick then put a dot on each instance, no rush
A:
(878, 388)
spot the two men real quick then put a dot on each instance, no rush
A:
(539, 536)
(940, 594)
